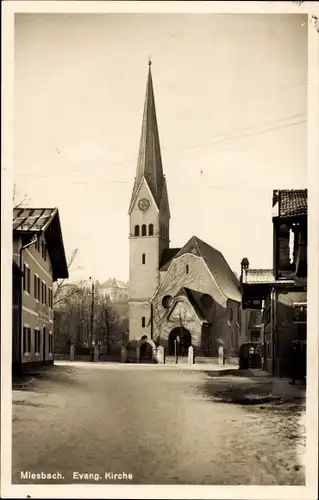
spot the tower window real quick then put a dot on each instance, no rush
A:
(137, 231)
(150, 230)
(143, 322)
(143, 258)
(144, 230)
(187, 268)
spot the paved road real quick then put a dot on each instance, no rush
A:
(161, 425)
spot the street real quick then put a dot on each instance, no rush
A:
(160, 424)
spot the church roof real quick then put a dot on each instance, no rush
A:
(215, 261)
(167, 256)
(149, 165)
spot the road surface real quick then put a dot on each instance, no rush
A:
(152, 424)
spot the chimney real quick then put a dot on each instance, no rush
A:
(244, 265)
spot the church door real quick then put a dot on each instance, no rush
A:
(179, 341)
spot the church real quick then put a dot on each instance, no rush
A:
(178, 297)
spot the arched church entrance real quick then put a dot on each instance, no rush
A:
(182, 339)
(146, 350)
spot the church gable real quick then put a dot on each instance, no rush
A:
(143, 191)
(183, 314)
(220, 272)
(189, 271)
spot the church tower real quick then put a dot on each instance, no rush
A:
(149, 221)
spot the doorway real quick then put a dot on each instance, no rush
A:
(182, 339)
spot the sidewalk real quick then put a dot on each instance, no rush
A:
(281, 386)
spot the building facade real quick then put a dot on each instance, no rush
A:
(38, 261)
(281, 294)
(115, 290)
(177, 296)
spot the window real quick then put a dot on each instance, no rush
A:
(187, 268)
(35, 286)
(44, 250)
(143, 258)
(50, 298)
(231, 314)
(43, 293)
(26, 278)
(150, 230)
(37, 244)
(268, 350)
(143, 322)
(39, 289)
(144, 230)
(255, 336)
(300, 313)
(37, 341)
(26, 340)
(137, 231)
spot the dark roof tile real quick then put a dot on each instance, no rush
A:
(292, 202)
(167, 256)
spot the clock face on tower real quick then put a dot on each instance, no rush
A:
(144, 204)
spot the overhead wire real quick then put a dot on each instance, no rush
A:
(220, 140)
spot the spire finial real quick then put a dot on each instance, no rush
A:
(149, 61)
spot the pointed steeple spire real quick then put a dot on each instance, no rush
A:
(149, 163)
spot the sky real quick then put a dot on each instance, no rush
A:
(231, 97)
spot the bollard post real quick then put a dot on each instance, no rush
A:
(160, 355)
(96, 353)
(72, 352)
(190, 355)
(137, 354)
(123, 355)
(221, 355)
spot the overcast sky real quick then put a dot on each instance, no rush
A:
(230, 94)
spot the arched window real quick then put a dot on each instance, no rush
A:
(166, 301)
(143, 322)
(150, 230)
(143, 258)
(137, 231)
(144, 230)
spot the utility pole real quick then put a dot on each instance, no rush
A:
(92, 313)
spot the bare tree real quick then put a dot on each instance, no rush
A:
(73, 320)
(63, 289)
